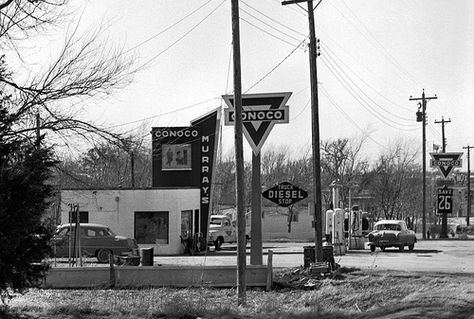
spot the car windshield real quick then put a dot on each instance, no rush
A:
(388, 227)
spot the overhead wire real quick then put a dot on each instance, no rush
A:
(341, 110)
(372, 39)
(273, 20)
(149, 61)
(276, 66)
(383, 96)
(360, 96)
(166, 28)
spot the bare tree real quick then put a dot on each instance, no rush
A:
(341, 162)
(22, 19)
(86, 67)
(393, 181)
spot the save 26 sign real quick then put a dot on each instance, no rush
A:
(445, 200)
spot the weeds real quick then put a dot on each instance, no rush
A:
(354, 294)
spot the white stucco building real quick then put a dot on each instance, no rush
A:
(154, 217)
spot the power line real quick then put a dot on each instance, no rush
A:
(358, 97)
(181, 37)
(276, 66)
(379, 46)
(368, 97)
(269, 25)
(267, 32)
(366, 83)
(165, 29)
(341, 110)
(275, 21)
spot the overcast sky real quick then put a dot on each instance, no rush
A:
(375, 54)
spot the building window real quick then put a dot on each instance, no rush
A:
(83, 217)
(152, 227)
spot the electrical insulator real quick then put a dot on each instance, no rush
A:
(419, 116)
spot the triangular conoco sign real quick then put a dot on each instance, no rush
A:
(257, 131)
(446, 161)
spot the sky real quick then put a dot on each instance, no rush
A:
(374, 55)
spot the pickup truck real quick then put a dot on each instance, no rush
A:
(223, 230)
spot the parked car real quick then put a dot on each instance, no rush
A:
(96, 240)
(391, 233)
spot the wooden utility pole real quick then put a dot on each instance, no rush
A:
(239, 157)
(468, 183)
(443, 122)
(424, 100)
(318, 220)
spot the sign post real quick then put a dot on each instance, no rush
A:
(445, 162)
(444, 207)
(260, 112)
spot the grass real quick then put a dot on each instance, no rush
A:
(350, 294)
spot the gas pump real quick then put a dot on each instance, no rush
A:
(338, 238)
(328, 224)
(357, 239)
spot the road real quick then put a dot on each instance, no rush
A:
(447, 256)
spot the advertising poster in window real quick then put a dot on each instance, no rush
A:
(176, 157)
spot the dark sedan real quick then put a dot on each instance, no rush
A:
(95, 241)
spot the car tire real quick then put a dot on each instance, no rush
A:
(218, 243)
(372, 248)
(401, 247)
(411, 247)
(103, 255)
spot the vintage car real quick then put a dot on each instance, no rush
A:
(391, 233)
(96, 240)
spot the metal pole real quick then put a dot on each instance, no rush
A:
(239, 157)
(256, 249)
(468, 217)
(424, 163)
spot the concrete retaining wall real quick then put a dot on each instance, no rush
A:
(154, 276)
(158, 276)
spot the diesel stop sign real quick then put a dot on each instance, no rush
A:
(285, 194)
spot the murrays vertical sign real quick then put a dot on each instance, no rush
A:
(185, 157)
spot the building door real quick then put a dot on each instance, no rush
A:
(186, 223)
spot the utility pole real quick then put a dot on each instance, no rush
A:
(318, 220)
(239, 157)
(443, 122)
(424, 100)
(468, 183)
